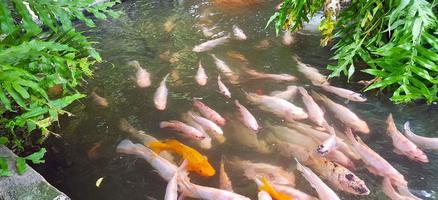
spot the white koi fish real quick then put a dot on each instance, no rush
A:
(246, 117)
(222, 88)
(183, 128)
(206, 46)
(402, 145)
(312, 74)
(279, 107)
(160, 97)
(238, 33)
(143, 78)
(344, 93)
(342, 113)
(374, 162)
(205, 123)
(201, 77)
(209, 113)
(315, 113)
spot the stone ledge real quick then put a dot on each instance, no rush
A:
(31, 185)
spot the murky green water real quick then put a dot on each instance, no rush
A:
(140, 35)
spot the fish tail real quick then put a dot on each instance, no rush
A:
(391, 124)
(165, 77)
(407, 128)
(125, 146)
(300, 167)
(135, 64)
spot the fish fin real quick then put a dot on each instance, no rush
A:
(124, 146)
(300, 167)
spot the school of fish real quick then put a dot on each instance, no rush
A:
(318, 135)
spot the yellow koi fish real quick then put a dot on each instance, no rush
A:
(196, 162)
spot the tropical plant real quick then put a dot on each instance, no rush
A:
(43, 59)
(396, 39)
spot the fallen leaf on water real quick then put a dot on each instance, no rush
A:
(99, 181)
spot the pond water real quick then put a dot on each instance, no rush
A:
(86, 151)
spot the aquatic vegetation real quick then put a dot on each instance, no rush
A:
(393, 41)
(43, 60)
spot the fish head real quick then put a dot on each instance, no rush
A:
(205, 169)
(322, 149)
(357, 97)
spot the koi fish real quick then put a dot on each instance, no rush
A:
(204, 143)
(164, 168)
(276, 77)
(142, 137)
(277, 106)
(342, 113)
(184, 129)
(246, 117)
(222, 88)
(197, 163)
(201, 77)
(143, 78)
(321, 136)
(98, 100)
(374, 162)
(160, 97)
(315, 113)
(402, 145)
(221, 65)
(288, 94)
(209, 113)
(208, 45)
(420, 141)
(205, 123)
(264, 185)
(312, 74)
(339, 176)
(324, 191)
(348, 94)
(238, 33)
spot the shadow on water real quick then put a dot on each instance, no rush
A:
(86, 150)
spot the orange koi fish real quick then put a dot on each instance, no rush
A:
(196, 162)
